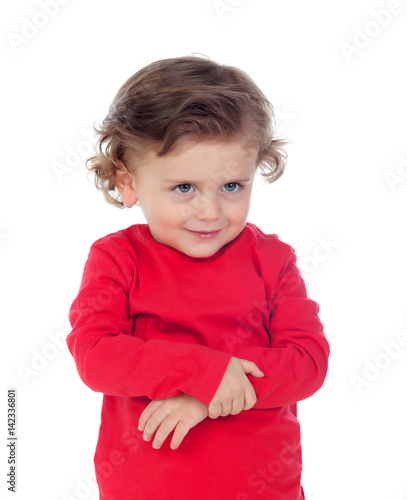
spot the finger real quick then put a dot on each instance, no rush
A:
(250, 398)
(163, 431)
(153, 423)
(226, 409)
(237, 405)
(148, 411)
(214, 410)
(251, 368)
(180, 432)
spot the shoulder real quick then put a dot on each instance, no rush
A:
(116, 255)
(120, 249)
(268, 246)
(120, 242)
(276, 261)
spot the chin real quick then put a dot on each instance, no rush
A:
(199, 253)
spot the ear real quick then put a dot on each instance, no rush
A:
(125, 184)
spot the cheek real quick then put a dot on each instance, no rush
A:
(180, 212)
(239, 211)
(173, 214)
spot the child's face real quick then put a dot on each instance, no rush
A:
(195, 199)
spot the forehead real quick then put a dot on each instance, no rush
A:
(202, 159)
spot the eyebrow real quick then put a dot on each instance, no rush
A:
(184, 181)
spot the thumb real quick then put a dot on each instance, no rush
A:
(251, 368)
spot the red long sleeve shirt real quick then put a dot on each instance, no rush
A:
(150, 322)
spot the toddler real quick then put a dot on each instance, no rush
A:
(196, 326)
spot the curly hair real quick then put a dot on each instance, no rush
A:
(176, 98)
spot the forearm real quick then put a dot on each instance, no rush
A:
(292, 373)
(123, 365)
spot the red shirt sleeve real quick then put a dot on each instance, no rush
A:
(295, 364)
(112, 359)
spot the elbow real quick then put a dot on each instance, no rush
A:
(319, 368)
(84, 361)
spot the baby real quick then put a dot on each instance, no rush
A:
(196, 326)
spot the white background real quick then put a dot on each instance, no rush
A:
(337, 78)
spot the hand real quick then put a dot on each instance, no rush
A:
(178, 413)
(235, 392)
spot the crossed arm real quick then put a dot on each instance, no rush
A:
(295, 363)
(182, 412)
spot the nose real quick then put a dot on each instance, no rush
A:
(207, 207)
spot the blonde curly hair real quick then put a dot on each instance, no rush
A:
(192, 97)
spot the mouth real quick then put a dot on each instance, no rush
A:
(205, 235)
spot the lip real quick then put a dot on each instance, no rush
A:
(205, 235)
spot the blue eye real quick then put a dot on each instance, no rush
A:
(184, 188)
(231, 187)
